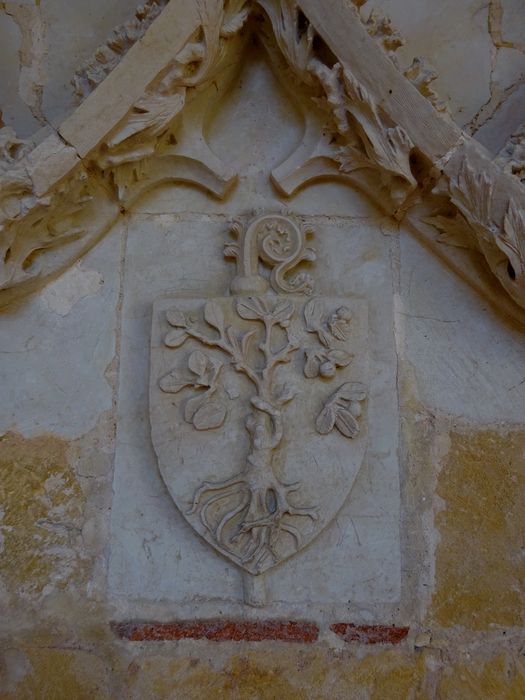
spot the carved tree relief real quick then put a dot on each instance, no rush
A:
(301, 375)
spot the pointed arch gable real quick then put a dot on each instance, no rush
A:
(61, 197)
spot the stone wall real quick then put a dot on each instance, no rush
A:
(415, 590)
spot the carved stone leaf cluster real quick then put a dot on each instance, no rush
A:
(342, 410)
(473, 194)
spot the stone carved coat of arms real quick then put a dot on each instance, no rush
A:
(258, 400)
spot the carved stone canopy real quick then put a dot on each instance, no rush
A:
(381, 135)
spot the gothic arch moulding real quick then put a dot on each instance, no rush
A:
(382, 135)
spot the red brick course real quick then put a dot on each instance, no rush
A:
(218, 630)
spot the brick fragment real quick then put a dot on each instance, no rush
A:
(218, 630)
(370, 634)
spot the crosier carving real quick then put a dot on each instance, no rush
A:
(280, 244)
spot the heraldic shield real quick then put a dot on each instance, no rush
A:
(258, 400)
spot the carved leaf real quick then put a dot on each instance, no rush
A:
(326, 420)
(346, 423)
(512, 243)
(312, 364)
(295, 45)
(313, 314)
(153, 113)
(454, 230)
(350, 159)
(339, 328)
(197, 363)
(233, 24)
(351, 391)
(283, 311)
(175, 338)
(174, 382)
(473, 194)
(234, 341)
(386, 148)
(210, 415)
(176, 318)
(340, 358)
(250, 309)
(245, 342)
(192, 406)
(213, 315)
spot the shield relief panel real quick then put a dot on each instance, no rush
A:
(258, 400)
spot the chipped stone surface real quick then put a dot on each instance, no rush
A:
(75, 284)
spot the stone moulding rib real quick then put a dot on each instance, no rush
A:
(61, 197)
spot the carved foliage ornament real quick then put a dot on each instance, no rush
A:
(153, 143)
(256, 401)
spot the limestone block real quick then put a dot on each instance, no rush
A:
(57, 347)
(484, 360)
(59, 673)
(506, 121)
(284, 673)
(510, 67)
(41, 518)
